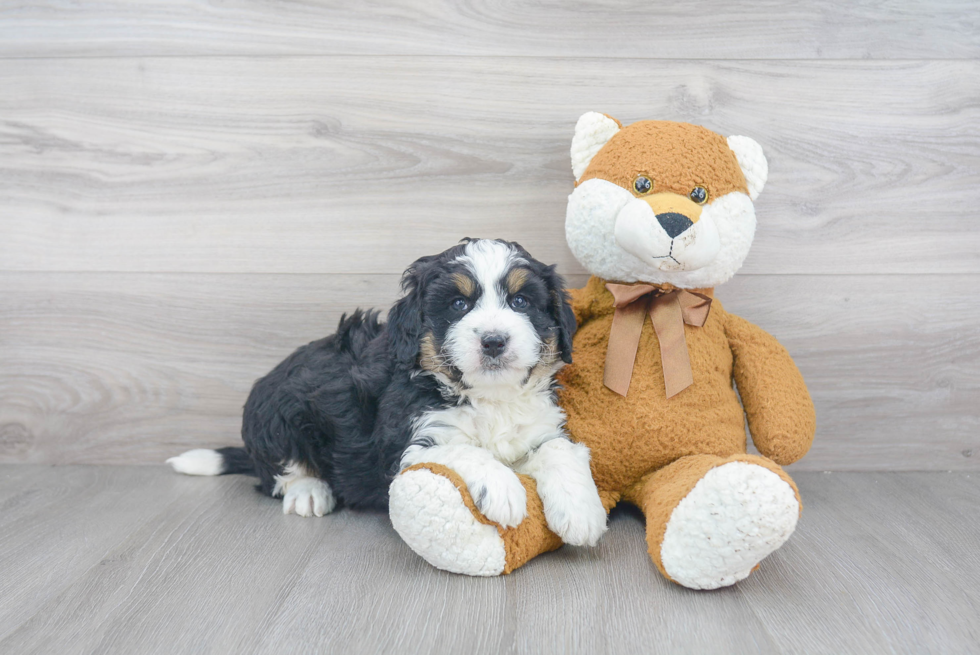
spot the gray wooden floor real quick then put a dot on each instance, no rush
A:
(126, 559)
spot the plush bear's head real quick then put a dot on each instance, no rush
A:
(662, 202)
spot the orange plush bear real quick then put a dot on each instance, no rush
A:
(662, 212)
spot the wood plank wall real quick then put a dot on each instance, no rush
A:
(190, 190)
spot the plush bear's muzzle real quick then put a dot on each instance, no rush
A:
(668, 231)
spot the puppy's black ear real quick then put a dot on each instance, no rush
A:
(405, 316)
(562, 312)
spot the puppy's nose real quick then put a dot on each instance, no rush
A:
(493, 344)
(674, 223)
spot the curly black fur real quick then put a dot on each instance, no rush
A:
(343, 406)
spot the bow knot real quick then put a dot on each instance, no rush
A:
(669, 310)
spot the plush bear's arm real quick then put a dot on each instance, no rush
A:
(780, 412)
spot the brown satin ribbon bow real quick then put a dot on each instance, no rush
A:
(669, 310)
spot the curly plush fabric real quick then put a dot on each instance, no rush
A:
(675, 156)
(434, 514)
(592, 132)
(433, 511)
(705, 418)
(699, 502)
(753, 163)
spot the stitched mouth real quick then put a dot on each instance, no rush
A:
(669, 255)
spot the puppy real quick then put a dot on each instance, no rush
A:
(462, 374)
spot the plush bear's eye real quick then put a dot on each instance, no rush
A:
(699, 195)
(642, 185)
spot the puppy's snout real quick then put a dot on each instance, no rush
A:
(493, 345)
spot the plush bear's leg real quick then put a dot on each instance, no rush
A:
(711, 520)
(432, 510)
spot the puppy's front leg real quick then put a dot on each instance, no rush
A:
(571, 502)
(302, 493)
(496, 490)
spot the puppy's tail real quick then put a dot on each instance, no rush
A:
(222, 461)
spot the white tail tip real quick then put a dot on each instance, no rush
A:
(199, 461)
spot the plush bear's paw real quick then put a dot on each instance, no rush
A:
(428, 512)
(735, 516)
(498, 494)
(308, 497)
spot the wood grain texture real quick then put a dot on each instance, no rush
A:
(686, 29)
(883, 559)
(134, 368)
(56, 524)
(142, 365)
(356, 165)
(121, 606)
(880, 563)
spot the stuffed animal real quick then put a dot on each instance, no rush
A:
(661, 213)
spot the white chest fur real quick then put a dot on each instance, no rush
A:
(508, 427)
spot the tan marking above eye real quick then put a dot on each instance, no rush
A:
(464, 283)
(516, 279)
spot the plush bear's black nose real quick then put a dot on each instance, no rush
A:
(674, 223)
(493, 344)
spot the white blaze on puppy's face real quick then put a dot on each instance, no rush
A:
(492, 344)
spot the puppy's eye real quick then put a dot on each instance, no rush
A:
(460, 305)
(519, 302)
(642, 185)
(699, 195)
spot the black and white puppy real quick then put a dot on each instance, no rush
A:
(462, 374)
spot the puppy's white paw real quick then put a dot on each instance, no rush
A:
(571, 501)
(499, 495)
(308, 497)
(577, 517)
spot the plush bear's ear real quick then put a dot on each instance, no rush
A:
(753, 163)
(592, 131)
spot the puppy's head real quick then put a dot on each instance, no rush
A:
(483, 314)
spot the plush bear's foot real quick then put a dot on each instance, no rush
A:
(433, 511)
(711, 520)
(735, 516)
(431, 515)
